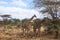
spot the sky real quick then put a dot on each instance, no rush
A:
(18, 9)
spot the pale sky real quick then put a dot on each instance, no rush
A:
(18, 8)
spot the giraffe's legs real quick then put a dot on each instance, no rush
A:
(27, 32)
(38, 31)
(23, 32)
(34, 32)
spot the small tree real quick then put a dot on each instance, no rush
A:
(5, 18)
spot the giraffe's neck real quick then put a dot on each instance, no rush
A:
(31, 18)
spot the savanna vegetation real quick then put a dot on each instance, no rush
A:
(47, 28)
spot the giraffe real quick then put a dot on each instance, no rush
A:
(25, 24)
(37, 25)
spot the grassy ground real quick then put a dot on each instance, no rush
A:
(14, 34)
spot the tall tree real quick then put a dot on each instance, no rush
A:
(52, 7)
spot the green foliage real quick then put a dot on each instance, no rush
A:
(24, 20)
(14, 22)
(47, 22)
(1, 23)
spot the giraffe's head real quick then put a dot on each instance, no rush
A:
(34, 15)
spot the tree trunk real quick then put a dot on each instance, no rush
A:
(56, 31)
(56, 34)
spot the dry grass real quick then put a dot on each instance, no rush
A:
(14, 34)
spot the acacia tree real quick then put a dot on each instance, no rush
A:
(5, 18)
(51, 7)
